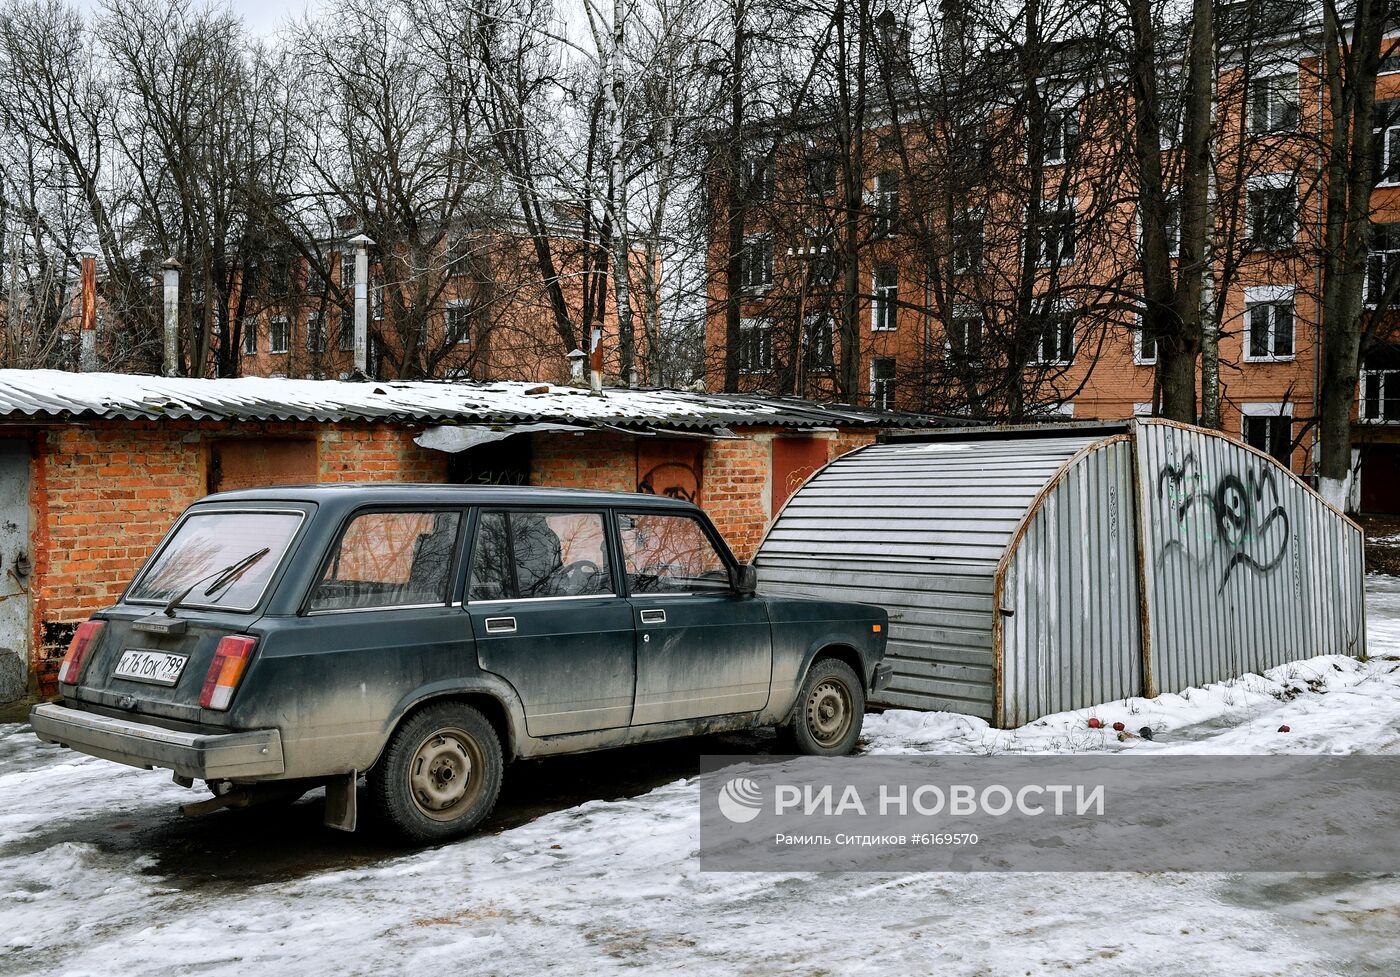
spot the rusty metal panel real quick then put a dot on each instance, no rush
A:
(1069, 596)
(254, 463)
(1245, 566)
(920, 530)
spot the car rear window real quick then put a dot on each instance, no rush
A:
(389, 559)
(205, 546)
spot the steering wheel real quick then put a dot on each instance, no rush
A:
(646, 578)
(566, 572)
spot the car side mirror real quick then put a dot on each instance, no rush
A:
(743, 579)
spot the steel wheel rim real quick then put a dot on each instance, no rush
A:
(829, 712)
(443, 776)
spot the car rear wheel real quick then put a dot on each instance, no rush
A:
(440, 775)
(826, 719)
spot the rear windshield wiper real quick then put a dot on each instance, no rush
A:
(221, 578)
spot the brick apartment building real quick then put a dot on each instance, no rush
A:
(1091, 358)
(94, 468)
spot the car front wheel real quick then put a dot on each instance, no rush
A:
(827, 716)
(440, 774)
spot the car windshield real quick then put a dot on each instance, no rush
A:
(205, 545)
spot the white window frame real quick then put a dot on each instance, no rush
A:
(763, 327)
(1138, 357)
(1278, 94)
(1270, 296)
(1058, 206)
(273, 324)
(1385, 378)
(1388, 264)
(886, 217)
(1066, 114)
(882, 398)
(884, 298)
(758, 165)
(1266, 409)
(319, 319)
(452, 337)
(815, 358)
(1056, 308)
(764, 242)
(1385, 139)
(249, 345)
(965, 313)
(1271, 181)
(969, 217)
(1173, 202)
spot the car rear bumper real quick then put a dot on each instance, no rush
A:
(204, 756)
(881, 680)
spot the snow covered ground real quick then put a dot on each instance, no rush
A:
(99, 876)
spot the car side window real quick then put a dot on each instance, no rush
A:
(389, 559)
(670, 554)
(526, 553)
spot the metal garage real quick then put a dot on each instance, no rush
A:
(1030, 572)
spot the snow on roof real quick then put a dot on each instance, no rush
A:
(54, 394)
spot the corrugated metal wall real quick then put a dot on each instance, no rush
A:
(1072, 637)
(1245, 567)
(918, 529)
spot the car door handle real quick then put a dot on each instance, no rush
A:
(500, 625)
(654, 616)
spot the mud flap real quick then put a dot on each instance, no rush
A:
(340, 802)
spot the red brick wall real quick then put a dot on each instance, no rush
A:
(104, 494)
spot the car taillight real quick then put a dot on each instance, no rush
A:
(83, 639)
(225, 671)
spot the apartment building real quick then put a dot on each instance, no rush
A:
(1040, 295)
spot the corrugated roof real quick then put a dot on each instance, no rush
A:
(57, 395)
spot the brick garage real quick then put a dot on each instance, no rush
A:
(103, 490)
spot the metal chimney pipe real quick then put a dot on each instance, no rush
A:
(595, 373)
(87, 322)
(171, 306)
(362, 245)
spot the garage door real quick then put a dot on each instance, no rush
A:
(251, 464)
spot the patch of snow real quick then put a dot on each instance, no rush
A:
(614, 886)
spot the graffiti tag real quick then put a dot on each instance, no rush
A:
(1243, 515)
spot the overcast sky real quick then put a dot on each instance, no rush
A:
(263, 17)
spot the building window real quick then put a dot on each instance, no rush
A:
(882, 383)
(250, 337)
(1144, 345)
(1061, 133)
(376, 297)
(1171, 224)
(457, 321)
(967, 234)
(1382, 262)
(818, 346)
(756, 264)
(347, 274)
(886, 203)
(345, 336)
(459, 259)
(1386, 143)
(884, 306)
(757, 176)
(1380, 385)
(1055, 240)
(315, 332)
(1269, 429)
(1273, 104)
(964, 334)
(1055, 336)
(278, 334)
(1268, 323)
(1272, 211)
(821, 176)
(755, 345)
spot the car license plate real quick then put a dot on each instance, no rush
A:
(155, 667)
